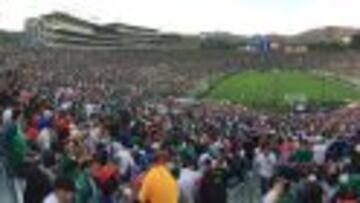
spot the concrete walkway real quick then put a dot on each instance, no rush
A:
(7, 194)
(247, 192)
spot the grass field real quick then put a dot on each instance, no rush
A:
(283, 88)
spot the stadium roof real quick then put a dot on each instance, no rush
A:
(67, 17)
(131, 27)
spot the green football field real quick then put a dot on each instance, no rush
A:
(283, 88)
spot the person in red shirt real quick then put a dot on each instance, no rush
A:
(106, 176)
(31, 133)
(62, 124)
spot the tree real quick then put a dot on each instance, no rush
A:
(355, 42)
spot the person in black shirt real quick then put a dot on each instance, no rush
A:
(38, 185)
(213, 185)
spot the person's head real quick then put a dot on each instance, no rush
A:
(189, 163)
(64, 189)
(48, 159)
(161, 157)
(304, 144)
(264, 147)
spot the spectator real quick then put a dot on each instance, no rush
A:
(265, 162)
(188, 182)
(63, 192)
(213, 184)
(159, 186)
(38, 183)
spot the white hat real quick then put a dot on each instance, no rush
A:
(357, 148)
(344, 178)
(7, 115)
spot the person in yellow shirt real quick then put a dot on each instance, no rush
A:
(159, 185)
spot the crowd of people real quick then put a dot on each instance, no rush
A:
(57, 148)
(64, 139)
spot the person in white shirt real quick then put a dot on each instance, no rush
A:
(265, 162)
(123, 158)
(64, 189)
(319, 148)
(187, 182)
(203, 159)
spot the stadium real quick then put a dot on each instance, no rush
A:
(90, 110)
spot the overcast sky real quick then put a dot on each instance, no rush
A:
(193, 16)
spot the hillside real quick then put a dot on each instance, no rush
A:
(325, 34)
